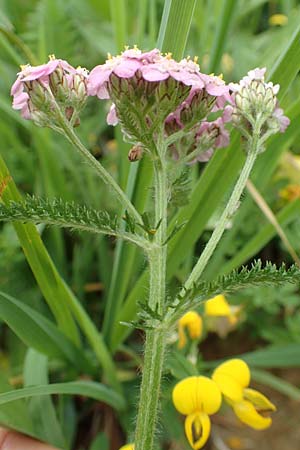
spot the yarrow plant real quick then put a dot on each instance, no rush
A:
(175, 115)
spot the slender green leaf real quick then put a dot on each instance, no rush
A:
(118, 14)
(224, 20)
(177, 15)
(15, 415)
(39, 260)
(277, 356)
(287, 65)
(91, 389)
(280, 385)
(41, 409)
(39, 333)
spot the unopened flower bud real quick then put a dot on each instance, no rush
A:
(256, 103)
(38, 94)
(135, 153)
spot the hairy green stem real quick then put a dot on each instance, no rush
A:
(155, 339)
(252, 152)
(97, 166)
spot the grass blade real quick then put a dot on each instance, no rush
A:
(40, 261)
(39, 333)
(287, 66)
(41, 409)
(90, 389)
(226, 14)
(177, 15)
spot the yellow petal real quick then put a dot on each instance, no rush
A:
(259, 401)
(247, 414)
(127, 447)
(229, 387)
(196, 394)
(197, 429)
(278, 19)
(181, 336)
(236, 369)
(217, 306)
(192, 322)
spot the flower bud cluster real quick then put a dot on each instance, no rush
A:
(255, 102)
(38, 91)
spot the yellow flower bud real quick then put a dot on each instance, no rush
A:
(127, 447)
(192, 323)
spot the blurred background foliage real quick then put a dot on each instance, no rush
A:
(229, 37)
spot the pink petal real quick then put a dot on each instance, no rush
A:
(20, 100)
(25, 113)
(127, 68)
(40, 71)
(152, 73)
(216, 90)
(17, 87)
(112, 118)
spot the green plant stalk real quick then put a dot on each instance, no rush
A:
(155, 339)
(97, 166)
(230, 209)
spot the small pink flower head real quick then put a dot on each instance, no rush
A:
(123, 66)
(255, 102)
(39, 88)
(144, 88)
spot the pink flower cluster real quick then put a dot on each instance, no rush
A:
(29, 76)
(153, 67)
(153, 87)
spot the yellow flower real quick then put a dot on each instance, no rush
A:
(127, 447)
(290, 192)
(191, 322)
(233, 379)
(222, 316)
(197, 398)
(278, 19)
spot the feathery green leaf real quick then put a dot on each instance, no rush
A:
(66, 215)
(236, 280)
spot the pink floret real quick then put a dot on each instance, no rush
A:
(112, 118)
(35, 73)
(153, 66)
(282, 120)
(152, 72)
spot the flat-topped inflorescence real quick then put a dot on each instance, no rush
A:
(148, 88)
(38, 91)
